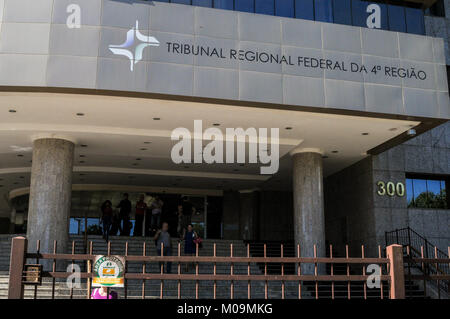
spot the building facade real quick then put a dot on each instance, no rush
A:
(344, 105)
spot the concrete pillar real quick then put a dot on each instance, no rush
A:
(309, 219)
(50, 194)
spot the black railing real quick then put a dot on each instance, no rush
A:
(417, 246)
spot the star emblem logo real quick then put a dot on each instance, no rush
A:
(126, 49)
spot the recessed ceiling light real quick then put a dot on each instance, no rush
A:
(216, 124)
(143, 149)
(135, 164)
(365, 133)
(80, 114)
(156, 118)
(19, 155)
(83, 145)
(138, 159)
(325, 157)
(12, 111)
(147, 142)
(82, 155)
(334, 152)
(288, 128)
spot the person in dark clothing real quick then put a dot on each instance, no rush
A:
(189, 246)
(115, 225)
(141, 208)
(163, 245)
(107, 216)
(124, 215)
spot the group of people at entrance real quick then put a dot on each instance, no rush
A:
(147, 217)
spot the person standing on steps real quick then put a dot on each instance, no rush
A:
(156, 209)
(124, 215)
(163, 244)
(141, 207)
(190, 248)
(107, 218)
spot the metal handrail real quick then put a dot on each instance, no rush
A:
(417, 245)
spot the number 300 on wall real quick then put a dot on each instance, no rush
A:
(391, 189)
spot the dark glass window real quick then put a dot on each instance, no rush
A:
(245, 5)
(202, 3)
(323, 10)
(342, 12)
(304, 9)
(181, 1)
(426, 193)
(397, 21)
(265, 6)
(359, 13)
(224, 4)
(414, 21)
(284, 8)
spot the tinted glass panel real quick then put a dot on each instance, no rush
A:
(304, 9)
(409, 192)
(397, 20)
(202, 3)
(342, 12)
(245, 5)
(414, 21)
(181, 1)
(420, 193)
(323, 10)
(224, 4)
(284, 8)
(359, 13)
(265, 6)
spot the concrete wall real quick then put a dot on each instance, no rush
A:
(428, 153)
(349, 216)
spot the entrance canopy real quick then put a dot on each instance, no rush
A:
(121, 79)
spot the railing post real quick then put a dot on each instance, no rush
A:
(16, 265)
(396, 271)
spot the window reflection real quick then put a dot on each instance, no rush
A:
(224, 4)
(304, 9)
(397, 21)
(245, 5)
(284, 8)
(265, 6)
(342, 12)
(349, 12)
(426, 193)
(323, 10)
